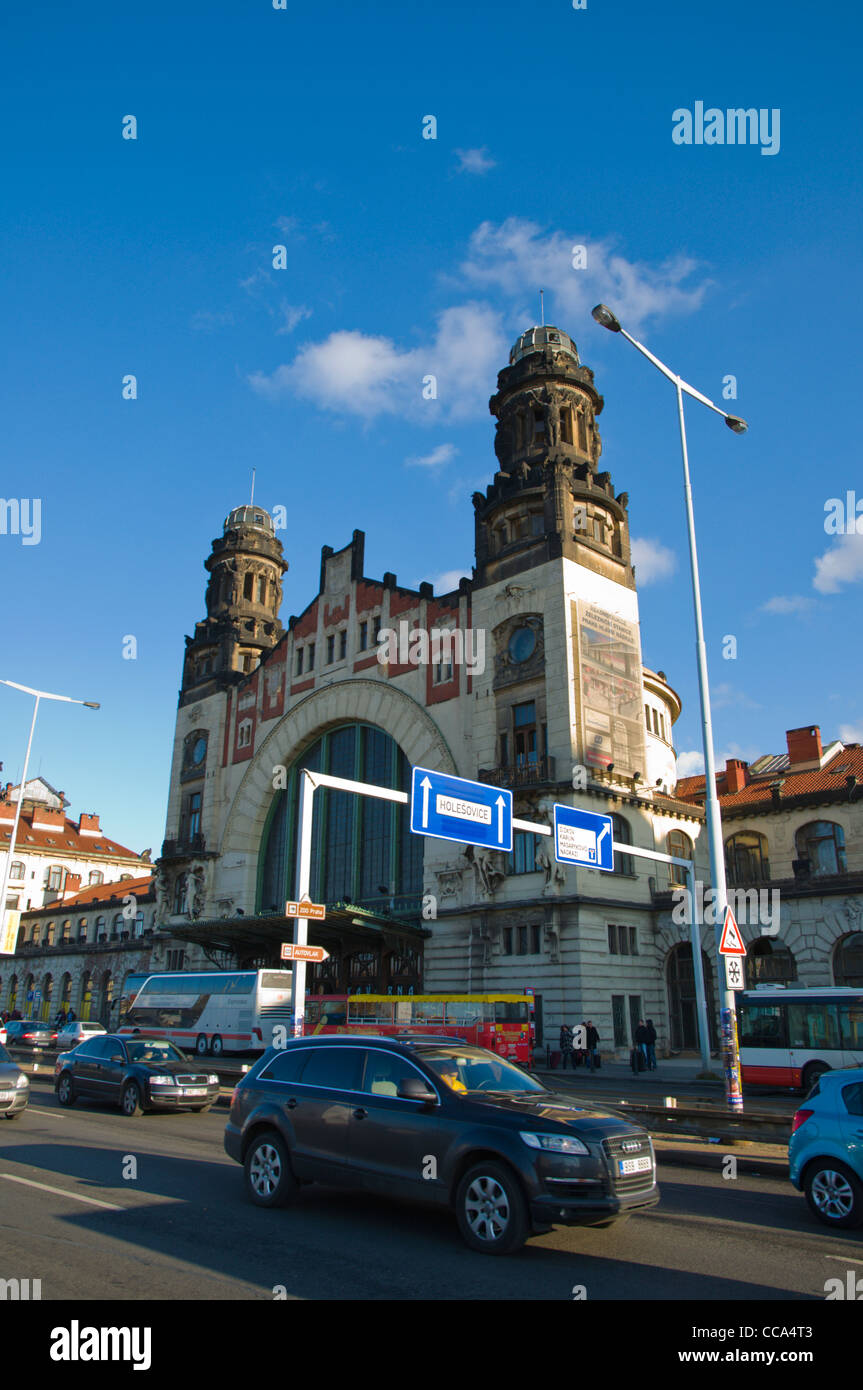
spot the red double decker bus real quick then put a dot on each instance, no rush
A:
(500, 1022)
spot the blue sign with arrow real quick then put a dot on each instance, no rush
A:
(583, 838)
(451, 808)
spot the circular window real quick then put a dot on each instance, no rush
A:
(199, 750)
(522, 644)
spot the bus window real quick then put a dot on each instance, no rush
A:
(813, 1024)
(851, 1015)
(762, 1025)
(428, 1010)
(334, 1013)
(464, 1012)
(371, 1011)
(510, 1011)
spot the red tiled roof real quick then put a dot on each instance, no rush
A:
(827, 780)
(103, 892)
(63, 840)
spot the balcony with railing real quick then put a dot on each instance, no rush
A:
(539, 773)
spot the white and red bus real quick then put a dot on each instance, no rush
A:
(499, 1021)
(789, 1037)
(215, 1011)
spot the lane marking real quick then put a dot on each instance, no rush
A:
(846, 1259)
(62, 1192)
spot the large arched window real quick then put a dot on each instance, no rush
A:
(363, 851)
(768, 964)
(623, 863)
(848, 961)
(822, 843)
(680, 845)
(746, 858)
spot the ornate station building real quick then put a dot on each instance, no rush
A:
(562, 709)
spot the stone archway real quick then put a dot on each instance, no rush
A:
(682, 1014)
(362, 701)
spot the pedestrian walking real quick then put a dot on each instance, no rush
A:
(651, 1046)
(592, 1046)
(565, 1045)
(642, 1038)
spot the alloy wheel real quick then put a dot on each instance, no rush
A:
(265, 1170)
(487, 1208)
(832, 1194)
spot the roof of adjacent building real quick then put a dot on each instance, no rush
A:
(101, 894)
(829, 781)
(62, 840)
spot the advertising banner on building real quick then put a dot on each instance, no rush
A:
(9, 934)
(608, 652)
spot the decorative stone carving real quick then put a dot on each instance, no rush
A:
(196, 889)
(555, 873)
(488, 866)
(449, 882)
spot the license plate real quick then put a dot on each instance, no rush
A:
(194, 1091)
(6, 1096)
(633, 1165)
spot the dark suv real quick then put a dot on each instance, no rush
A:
(436, 1121)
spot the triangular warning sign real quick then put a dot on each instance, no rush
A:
(732, 942)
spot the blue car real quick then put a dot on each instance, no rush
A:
(825, 1151)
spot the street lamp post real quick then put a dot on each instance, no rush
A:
(731, 1060)
(39, 695)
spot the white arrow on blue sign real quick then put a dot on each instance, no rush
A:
(583, 838)
(451, 808)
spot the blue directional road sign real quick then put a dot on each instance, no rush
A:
(583, 838)
(451, 808)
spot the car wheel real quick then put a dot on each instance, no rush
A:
(201, 1045)
(269, 1179)
(65, 1090)
(811, 1073)
(216, 1046)
(130, 1101)
(834, 1194)
(491, 1210)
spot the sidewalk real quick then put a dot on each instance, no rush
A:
(670, 1069)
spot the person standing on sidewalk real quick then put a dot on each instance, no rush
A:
(642, 1038)
(592, 1043)
(566, 1046)
(651, 1046)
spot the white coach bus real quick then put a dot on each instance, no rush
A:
(216, 1011)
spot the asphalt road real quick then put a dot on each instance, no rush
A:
(183, 1229)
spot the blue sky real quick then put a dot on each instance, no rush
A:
(404, 256)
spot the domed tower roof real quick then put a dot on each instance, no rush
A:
(250, 516)
(536, 338)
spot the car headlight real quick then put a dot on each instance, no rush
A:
(554, 1143)
(162, 1081)
(21, 1082)
(213, 1080)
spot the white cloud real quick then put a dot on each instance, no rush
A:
(851, 733)
(724, 695)
(512, 255)
(841, 564)
(443, 454)
(446, 582)
(652, 561)
(787, 603)
(292, 315)
(475, 161)
(690, 764)
(357, 373)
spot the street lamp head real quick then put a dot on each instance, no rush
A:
(735, 423)
(606, 318)
(91, 704)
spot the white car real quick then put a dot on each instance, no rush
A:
(71, 1034)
